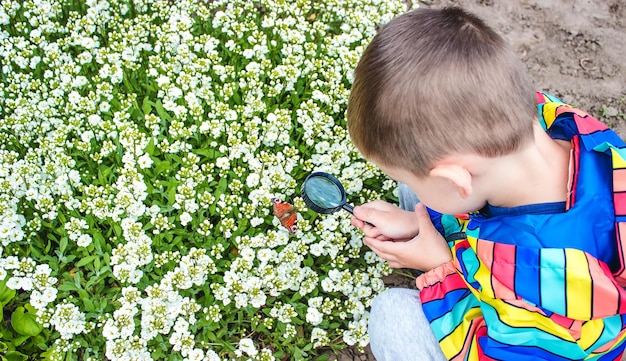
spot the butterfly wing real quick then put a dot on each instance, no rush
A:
(290, 222)
(280, 207)
(286, 214)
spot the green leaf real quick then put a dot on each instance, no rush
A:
(86, 260)
(99, 241)
(308, 261)
(150, 146)
(296, 296)
(171, 193)
(68, 286)
(24, 321)
(15, 356)
(49, 354)
(6, 294)
(237, 97)
(323, 357)
(210, 153)
(146, 107)
(63, 244)
(98, 277)
(295, 99)
(162, 166)
(16, 341)
(161, 111)
(89, 306)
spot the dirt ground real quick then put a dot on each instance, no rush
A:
(574, 49)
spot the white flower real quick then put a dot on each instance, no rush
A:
(4, 18)
(144, 161)
(212, 356)
(84, 240)
(79, 81)
(248, 54)
(256, 221)
(40, 300)
(230, 115)
(247, 346)
(20, 283)
(174, 93)
(88, 43)
(73, 97)
(68, 320)
(195, 355)
(222, 162)
(319, 337)
(85, 57)
(185, 218)
(136, 209)
(314, 316)
(252, 180)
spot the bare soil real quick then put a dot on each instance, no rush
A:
(573, 49)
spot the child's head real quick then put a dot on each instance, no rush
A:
(434, 83)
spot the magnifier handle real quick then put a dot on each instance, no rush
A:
(350, 208)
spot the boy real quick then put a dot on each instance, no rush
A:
(521, 243)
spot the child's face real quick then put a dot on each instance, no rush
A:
(437, 193)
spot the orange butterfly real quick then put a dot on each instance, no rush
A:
(286, 214)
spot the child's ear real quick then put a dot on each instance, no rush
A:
(456, 174)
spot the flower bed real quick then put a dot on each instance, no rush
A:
(140, 145)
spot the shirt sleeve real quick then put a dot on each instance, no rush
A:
(498, 301)
(452, 309)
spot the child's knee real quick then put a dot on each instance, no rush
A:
(395, 300)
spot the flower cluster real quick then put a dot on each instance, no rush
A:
(140, 145)
(24, 274)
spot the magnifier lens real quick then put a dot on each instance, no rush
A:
(323, 192)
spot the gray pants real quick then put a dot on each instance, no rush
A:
(398, 329)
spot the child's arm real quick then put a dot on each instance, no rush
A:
(390, 240)
(386, 221)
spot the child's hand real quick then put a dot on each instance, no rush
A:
(387, 221)
(424, 252)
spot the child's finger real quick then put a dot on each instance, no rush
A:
(423, 217)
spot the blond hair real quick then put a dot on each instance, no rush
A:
(437, 82)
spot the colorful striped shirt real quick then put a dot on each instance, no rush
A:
(541, 281)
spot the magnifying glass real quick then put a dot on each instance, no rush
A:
(324, 194)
